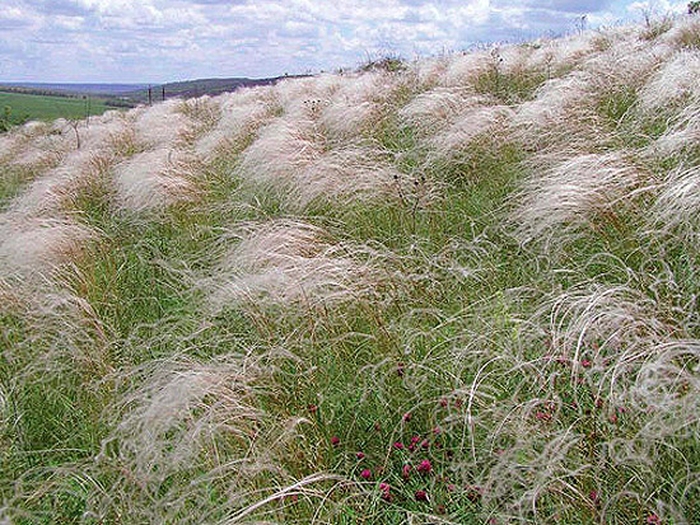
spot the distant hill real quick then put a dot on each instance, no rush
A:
(24, 101)
(196, 88)
(132, 94)
(70, 89)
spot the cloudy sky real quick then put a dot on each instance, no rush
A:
(168, 40)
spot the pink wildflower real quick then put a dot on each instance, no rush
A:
(385, 489)
(421, 495)
(653, 519)
(406, 417)
(335, 441)
(543, 416)
(366, 474)
(406, 471)
(398, 445)
(586, 363)
(424, 467)
(474, 493)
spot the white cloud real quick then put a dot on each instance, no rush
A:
(161, 40)
(656, 7)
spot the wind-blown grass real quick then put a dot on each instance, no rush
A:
(460, 291)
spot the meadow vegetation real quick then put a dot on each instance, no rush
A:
(457, 290)
(18, 108)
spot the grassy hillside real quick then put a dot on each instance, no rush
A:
(25, 107)
(198, 88)
(463, 291)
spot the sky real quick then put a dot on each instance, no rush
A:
(156, 41)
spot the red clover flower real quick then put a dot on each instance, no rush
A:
(421, 495)
(424, 467)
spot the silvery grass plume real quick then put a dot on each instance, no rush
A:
(292, 263)
(634, 354)
(575, 194)
(241, 114)
(105, 141)
(490, 123)
(99, 132)
(39, 146)
(177, 412)
(682, 138)
(7, 143)
(304, 99)
(205, 113)
(624, 67)
(609, 326)
(281, 152)
(676, 211)
(435, 110)
(163, 125)
(464, 69)
(155, 179)
(557, 56)
(168, 430)
(609, 350)
(56, 190)
(10, 142)
(32, 248)
(66, 337)
(684, 33)
(616, 333)
(291, 160)
(561, 115)
(523, 474)
(675, 84)
(428, 72)
(358, 104)
(512, 59)
(352, 173)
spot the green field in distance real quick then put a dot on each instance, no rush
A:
(25, 107)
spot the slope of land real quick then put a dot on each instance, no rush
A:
(24, 107)
(197, 88)
(70, 89)
(460, 291)
(45, 101)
